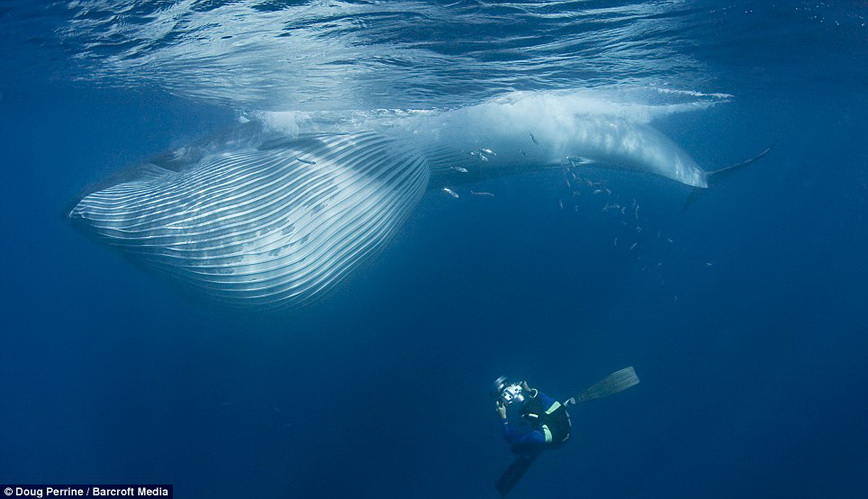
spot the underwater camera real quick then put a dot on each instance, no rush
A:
(507, 391)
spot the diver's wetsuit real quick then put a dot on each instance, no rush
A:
(551, 432)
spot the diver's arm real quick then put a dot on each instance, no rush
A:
(508, 435)
(545, 399)
(534, 393)
(511, 436)
(504, 421)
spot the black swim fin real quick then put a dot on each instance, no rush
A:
(616, 382)
(513, 474)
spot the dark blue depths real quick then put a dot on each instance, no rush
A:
(749, 336)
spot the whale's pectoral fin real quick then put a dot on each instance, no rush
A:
(713, 177)
(716, 175)
(262, 227)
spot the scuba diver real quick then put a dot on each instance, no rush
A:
(548, 419)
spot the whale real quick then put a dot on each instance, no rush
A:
(263, 218)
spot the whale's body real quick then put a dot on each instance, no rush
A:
(264, 220)
(507, 141)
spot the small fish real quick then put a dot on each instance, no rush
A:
(615, 242)
(487, 151)
(450, 192)
(306, 161)
(522, 153)
(458, 169)
(708, 264)
(481, 193)
(561, 203)
(608, 191)
(669, 240)
(633, 246)
(597, 191)
(534, 139)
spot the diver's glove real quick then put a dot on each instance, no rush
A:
(501, 409)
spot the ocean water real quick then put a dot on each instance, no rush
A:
(743, 310)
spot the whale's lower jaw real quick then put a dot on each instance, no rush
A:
(260, 228)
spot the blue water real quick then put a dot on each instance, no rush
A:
(749, 329)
